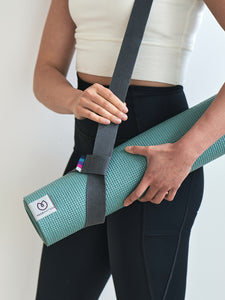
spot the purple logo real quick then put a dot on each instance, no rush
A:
(42, 205)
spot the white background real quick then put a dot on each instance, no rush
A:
(36, 144)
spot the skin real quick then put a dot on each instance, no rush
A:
(167, 164)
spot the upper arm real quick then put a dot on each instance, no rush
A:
(58, 42)
(217, 8)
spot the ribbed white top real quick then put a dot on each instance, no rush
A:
(166, 46)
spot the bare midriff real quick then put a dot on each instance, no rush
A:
(106, 80)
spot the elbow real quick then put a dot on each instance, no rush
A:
(35, 89)
(35, 85)
(37, 82)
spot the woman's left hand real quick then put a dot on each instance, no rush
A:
(167, 167)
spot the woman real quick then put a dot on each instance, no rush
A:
(145, 244)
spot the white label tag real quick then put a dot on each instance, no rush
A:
(42, 207)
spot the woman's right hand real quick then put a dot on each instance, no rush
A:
(99, 104)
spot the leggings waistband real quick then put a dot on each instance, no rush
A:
(151, 90)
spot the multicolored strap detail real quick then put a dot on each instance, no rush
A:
(80, 163)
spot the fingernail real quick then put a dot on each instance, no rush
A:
(125, 109)
(106, 121)
(124, 116)
(117, 120)
(126, 204)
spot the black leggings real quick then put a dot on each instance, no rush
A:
(144, 246)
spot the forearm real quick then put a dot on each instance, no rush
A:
(53, 90)
(207, 130)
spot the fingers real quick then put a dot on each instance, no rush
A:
(104, 108)
(170, 196)
(150, 194)
(162, 194)
(143, 185)
(157, 199)
(156, 196)
(110, 97)
(141, 150)
(101, 105)
(92, 116)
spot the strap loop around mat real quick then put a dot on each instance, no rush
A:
(95, 164)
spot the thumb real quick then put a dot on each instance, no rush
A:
(136, 149)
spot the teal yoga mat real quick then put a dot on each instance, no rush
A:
(58, 209)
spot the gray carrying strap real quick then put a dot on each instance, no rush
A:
(106, 134)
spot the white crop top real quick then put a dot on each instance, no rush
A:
(167, 42)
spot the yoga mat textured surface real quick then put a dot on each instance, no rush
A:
(125, 171)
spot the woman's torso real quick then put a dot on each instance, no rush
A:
(166, 46)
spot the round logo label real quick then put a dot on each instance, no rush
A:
(42, 205)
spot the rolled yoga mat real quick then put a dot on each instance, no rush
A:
(58, 209)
